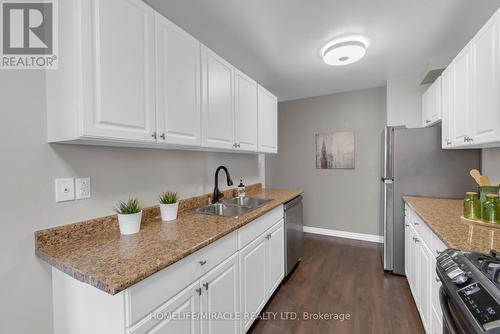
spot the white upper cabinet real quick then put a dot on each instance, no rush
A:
(447, 106)
(471, 92)
(246, 113)
(485, 111)
(460, 115)
(128, 76)
(431, 104)
(118, 62)
(268, 121)
(178, 84)
(218, 101)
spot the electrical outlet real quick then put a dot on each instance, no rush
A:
(82, 186)
(65, 189)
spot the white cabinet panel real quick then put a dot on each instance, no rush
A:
(246, 112)
(119, 70)
(460, 117)
(447, 107)
(424, 283)
(268, 121)
(178, 84)
(170, 318)
(426, 106)
(275, 258)
(218, 101)
(485, 112)
(253, 280)
(436, 110)
(221, 295)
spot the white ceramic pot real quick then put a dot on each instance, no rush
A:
(169, 211)
(130, 224)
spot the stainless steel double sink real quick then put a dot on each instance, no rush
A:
(233, 207)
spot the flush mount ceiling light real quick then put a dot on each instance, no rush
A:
(343, 52)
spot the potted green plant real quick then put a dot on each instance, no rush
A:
(169, 206)
(129, 216)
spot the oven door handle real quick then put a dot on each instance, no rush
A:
(447, 319)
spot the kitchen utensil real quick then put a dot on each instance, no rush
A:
(476, 175)
(485, 180)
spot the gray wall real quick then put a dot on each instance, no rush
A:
(491, 164)
(28, 168)
(346, 200)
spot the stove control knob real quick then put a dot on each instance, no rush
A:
(461, 279)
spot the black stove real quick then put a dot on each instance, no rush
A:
(470, 292)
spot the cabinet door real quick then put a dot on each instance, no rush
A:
(424, 283)
(435, 285)
(407, 248)
(268, 122)
(246, 112)
(447, 108)
(171, 317)
(118, 70)
(275, 257)
(253, 280)
(426, 107)
(485, 112)
(436, 109)
(178, 84)
(413, 265)
(221, 295)
(461, 98)
(218, 101)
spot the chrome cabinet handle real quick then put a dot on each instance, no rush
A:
(407, 225)
(202, 263)
(427, 121)
(154, 135)
(199, 291)
(268, 236)
(448, 142)
(417, 240)
(437, 279)
(416, 223)
(162, 136)
(206, 286)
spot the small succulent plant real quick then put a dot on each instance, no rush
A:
(129, 207)
(168, 197)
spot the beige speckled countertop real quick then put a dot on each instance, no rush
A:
(94, 252)
(443, 216)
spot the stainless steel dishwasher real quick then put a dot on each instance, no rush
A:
(294, 235)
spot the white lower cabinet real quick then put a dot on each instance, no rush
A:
(220, 298)
(253, 280)
(262, 270)
(219, 289)
(421, 249)
(170, 318)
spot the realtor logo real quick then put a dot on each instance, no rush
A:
(29, 35)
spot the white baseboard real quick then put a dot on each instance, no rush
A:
(343, 234)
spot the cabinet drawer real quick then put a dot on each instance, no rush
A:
(437, 246)
(148, 294)
(252, 230)
(421, 228)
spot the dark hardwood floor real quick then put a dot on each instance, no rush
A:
(345, 277)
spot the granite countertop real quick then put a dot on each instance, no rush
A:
(94, 252)
(443, 216)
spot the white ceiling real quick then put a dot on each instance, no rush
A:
(277, 42)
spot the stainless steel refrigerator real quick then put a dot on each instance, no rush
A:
(414, 164)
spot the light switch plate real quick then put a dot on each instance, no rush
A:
(65, 189)
(82, 188)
